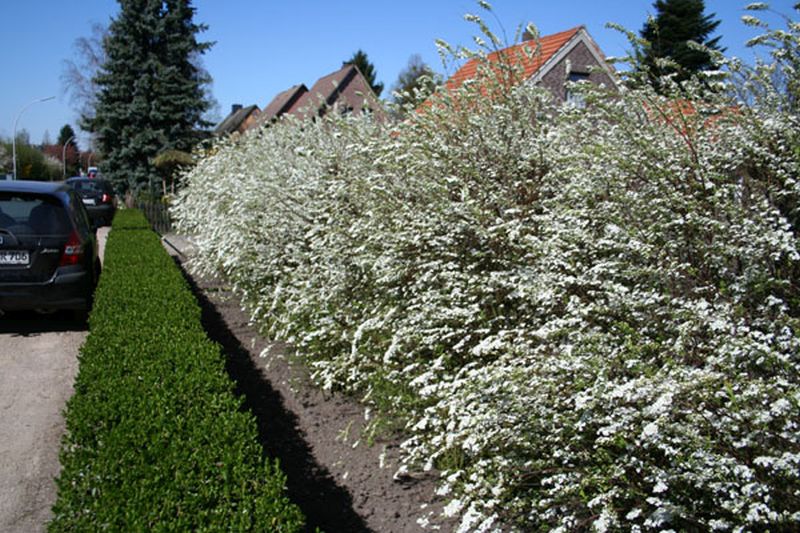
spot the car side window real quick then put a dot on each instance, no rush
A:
(79, 214)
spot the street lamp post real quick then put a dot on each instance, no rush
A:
(64, 155)
(14, 138)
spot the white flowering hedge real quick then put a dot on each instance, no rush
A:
(586, 318)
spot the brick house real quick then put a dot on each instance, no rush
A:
(239, 120)
(282, 103)
(345, 90)
(549, 61)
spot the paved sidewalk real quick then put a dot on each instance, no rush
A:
(38, 364)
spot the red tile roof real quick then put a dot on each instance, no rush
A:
(531, 55)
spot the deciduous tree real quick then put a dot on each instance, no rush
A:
(32, 163)
(79, 76)
(414, 83)
(5, 160)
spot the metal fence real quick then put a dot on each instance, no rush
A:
(157, 213)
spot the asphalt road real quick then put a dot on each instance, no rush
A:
(38, 364)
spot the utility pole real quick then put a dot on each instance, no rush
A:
(64, 155)
(14, 138)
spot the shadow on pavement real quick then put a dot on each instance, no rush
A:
(325, 504)
(27, 323)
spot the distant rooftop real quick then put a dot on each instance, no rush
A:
(282, 103)
(234, 120)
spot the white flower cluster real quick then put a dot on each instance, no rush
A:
(587, 318)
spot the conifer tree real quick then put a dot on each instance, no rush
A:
(668, 33)
(67, 146)
(151, 93)
(367, 69)
(66, 135)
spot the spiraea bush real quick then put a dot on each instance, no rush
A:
(585, 317)
(156, 439)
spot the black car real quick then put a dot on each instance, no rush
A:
(98, 197)
(48, 248)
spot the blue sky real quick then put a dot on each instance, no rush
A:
(263, 47)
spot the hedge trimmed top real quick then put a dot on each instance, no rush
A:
(156, 439)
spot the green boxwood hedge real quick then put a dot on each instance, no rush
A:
(156, 438)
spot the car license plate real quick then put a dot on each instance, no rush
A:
(14, 257)
(88, 201)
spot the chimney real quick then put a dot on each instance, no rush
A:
(527, 35)
(235, 108)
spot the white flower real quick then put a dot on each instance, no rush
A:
(650, 430)
(633, 514)
(528, 289)
(660, 406)
(453, 507)
(781, 407)
(603, 522)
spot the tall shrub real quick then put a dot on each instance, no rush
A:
(585, 317)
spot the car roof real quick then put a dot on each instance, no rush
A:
(41, 187)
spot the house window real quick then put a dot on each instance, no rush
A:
(572, 97)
